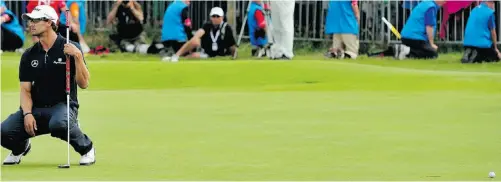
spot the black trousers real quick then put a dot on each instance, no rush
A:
(420, 49)
(49, 120)
(10, 41)
(479, 55)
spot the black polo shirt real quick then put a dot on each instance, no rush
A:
(47, 73)
(223, 44)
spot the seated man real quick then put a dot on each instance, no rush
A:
(215, 38)
(176, 27)
(343, 19)
(257, 28)
(130, 27)
(480, 41)
(12, 32)
(419, 32)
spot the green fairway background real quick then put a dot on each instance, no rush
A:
(307, 119)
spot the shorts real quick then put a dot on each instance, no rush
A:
(348, 42)
(174, 44)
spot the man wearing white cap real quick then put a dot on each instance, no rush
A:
(282, 20)
(215, 38)
(42, 73)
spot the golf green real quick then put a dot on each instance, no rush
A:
(307, 119)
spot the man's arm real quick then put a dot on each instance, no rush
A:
(113, 12)
(356, 11)
(137, 11)
(25, 94)
(230, 41)
(26, 77)
(429, 33)
(193, 41)
(82, 74)
(494, 37)
(431, 21)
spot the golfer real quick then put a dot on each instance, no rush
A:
(419, 32)
(282, 20)
(480, 42)
(42, 73)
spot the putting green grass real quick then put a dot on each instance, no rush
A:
(307, 119)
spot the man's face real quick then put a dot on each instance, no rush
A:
(187, 2)
(38, 26)
(216, 19)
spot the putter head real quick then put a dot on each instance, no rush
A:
(64, 166)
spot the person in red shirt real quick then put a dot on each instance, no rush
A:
(60, 7)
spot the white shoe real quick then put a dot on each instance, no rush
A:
(89, 158)
(16, 159)
(403, 51)
(166, 58)
(174, 59)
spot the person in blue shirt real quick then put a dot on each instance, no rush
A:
(12, 32)
(176, 27)
(342, 22)
(480, 42)
(419, 32)
(256, 22)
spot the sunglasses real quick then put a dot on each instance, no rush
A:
(36, 20)
(215, 16)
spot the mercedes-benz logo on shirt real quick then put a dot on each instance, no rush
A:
(34, 63)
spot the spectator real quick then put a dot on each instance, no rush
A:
(215, 37)
(342, 21)
(480, 41)
(419, 32)
(79, 19)
(282, 16)
(130, 24)
(257, 27)
(60, 7)
(176, 27)
(12, 32)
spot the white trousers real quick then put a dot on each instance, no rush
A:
(282, 20)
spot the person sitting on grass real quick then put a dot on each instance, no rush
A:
(12, 32)
(480, 41)
(419, 32)
(215, 38)
(343, 19)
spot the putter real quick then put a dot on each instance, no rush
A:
(67, 165)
